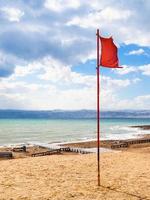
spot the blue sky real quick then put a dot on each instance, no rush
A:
(48, 54)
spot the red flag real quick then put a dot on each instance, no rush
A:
(109, 57)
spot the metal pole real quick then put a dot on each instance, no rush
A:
(98, 109)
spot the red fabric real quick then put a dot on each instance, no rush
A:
(109, 52)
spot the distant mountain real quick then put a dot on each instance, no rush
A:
(80, 114)
(52, 114)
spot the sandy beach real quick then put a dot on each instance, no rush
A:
(124, 175)
(74, 100)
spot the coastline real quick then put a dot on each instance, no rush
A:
(73, 176)
(89, 146)
(106, 143)
(15, 132)
(107, 140)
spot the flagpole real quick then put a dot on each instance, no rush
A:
(98, 110)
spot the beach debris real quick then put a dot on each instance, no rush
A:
(6, 155)
(19, 149)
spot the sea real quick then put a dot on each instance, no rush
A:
(35, 131)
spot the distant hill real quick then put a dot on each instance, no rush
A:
(62, 114)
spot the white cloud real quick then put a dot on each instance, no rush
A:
(110, 90)
(137, 52)
(24, 70)
(144, 70)
(59, 88)
(51, 96)
(57, 72)
(125, 70)
(139, 102)
(59, 5)
(12, 14)
(54, 71)
(114, 84)
(142, 102)
(10, 87)
(112, 14)
(94, 19)
(118, 19)
(45, 82)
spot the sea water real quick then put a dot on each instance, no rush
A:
(18, 131)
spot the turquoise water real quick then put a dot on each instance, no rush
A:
(48, 131)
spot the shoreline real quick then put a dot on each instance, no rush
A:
(74, 176)
(33, 143)
(87, 146)
(104, 143)
(36, 143)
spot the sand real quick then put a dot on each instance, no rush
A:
(124, 175)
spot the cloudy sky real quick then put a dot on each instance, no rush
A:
(48, 54)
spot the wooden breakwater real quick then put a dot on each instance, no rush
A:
(6, 154)
(76, 150)
(45, 153)
(127, 143)
(56, 149)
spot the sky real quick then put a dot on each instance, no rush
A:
(48, 54)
